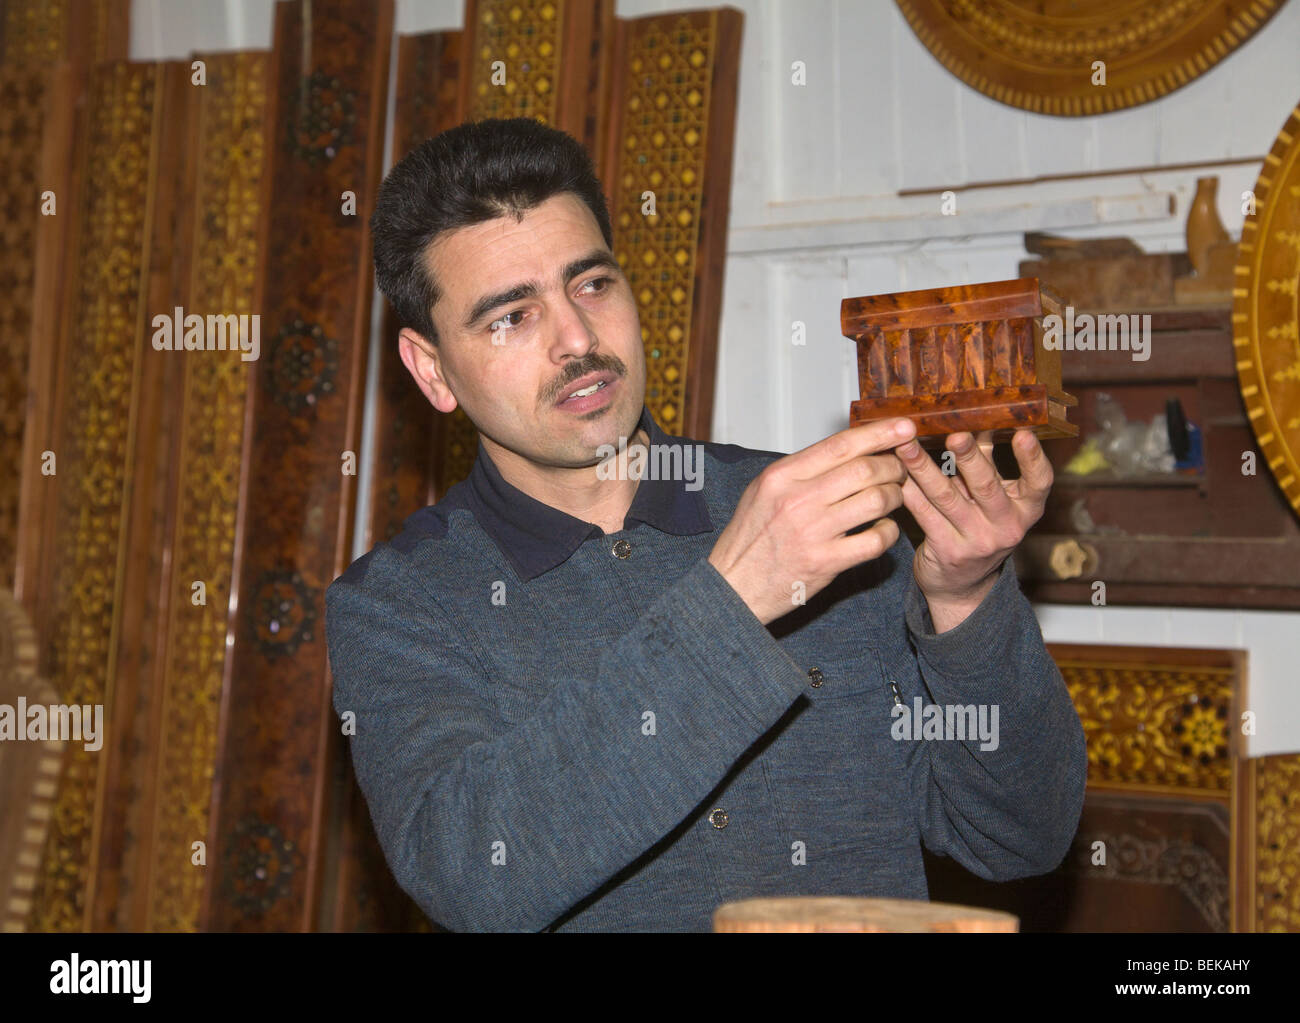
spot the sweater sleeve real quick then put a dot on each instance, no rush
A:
(1010, 811)
(490, 827)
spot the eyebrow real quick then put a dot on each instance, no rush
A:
(529, 289)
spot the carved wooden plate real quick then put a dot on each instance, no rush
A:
(1039, 54)
(1265, 314)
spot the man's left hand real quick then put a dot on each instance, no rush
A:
(972, 520)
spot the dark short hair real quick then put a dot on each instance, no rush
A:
(467, 175)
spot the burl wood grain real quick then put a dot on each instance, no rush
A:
(969, 357)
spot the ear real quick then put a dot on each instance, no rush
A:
(421, 358)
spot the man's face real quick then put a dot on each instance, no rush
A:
(528, 310)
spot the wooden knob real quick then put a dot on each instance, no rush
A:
(1070, 559)
(808, 914)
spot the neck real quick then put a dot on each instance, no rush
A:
(578, 492)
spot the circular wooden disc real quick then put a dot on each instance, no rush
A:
(1039, 54)
(1266, 314)
(809, 914)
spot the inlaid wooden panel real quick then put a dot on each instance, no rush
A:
(219, 263)
(1266, 843)
(82, 31)
(1155, 721)
(673, 80)
(95, 405)
(128, 758)
(1179, 831)
(25, 109)
(278, 739)
(47, 47)
(1040, 56)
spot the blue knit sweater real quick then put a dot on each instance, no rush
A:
(556, 728)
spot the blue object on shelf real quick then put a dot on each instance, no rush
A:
(1195, 459)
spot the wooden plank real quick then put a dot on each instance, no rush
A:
(133, 709)
(97, 394)
(1183, 561)
(279, 739)
(218, 256)
(682, 153)
(36, 138)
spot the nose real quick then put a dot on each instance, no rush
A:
(573, 334)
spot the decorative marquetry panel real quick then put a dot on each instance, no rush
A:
(1266, 839)
(46, 47)
(668, 177)
(83, 31)
(102, 350)
(1041, 57)
(24, 95)
(34, 30)
(1178, 832)
(517, 51)
(229, 158)
(1152, 725)
(278, 737)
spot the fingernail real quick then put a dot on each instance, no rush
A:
(904, 428)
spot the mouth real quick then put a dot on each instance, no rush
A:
(587, 392)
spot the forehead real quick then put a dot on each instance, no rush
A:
(500, 253)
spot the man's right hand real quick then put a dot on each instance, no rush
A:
(791, 522)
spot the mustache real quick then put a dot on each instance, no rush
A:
(611, 364)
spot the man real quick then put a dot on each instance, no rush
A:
(590, 701)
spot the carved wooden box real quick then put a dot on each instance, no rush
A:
(969, 357)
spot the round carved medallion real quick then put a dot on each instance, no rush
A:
(1265, 315)
(1043, 55)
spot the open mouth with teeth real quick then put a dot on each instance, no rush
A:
(586, 390)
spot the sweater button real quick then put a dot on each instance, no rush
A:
(622, 549)
(718, 818)
(816, 677)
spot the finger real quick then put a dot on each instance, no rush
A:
(838, 448)
(938, 489)
(860, 474)
(933, 522)
(985, 441)
(864, 506)
(1035, 469)
(872, 542)
(982, 479)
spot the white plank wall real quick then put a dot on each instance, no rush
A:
(815, 217)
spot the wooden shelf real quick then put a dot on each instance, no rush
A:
(1214, 539)
(1105, 478)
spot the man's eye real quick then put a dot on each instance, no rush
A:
(604, 283)
(504, 323)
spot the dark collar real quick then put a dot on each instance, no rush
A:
(535, 537)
